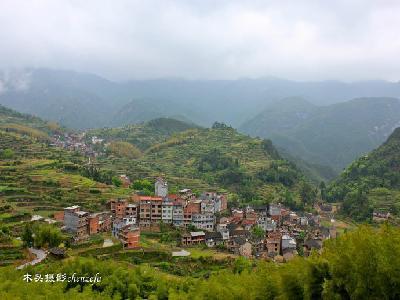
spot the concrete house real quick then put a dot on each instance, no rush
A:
(161, 188)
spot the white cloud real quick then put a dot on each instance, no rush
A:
(302, 40)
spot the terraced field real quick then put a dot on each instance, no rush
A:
(37, 179)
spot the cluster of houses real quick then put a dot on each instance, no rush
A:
(272, 231)
(128, 216)
(75, 142)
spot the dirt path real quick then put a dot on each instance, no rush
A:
(40, 255)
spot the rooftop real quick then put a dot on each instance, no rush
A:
(197, 233)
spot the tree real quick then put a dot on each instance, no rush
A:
(307, 193)
(258, 232)
(322, 187)
(27, 235)
(7, 153)
(116, 181)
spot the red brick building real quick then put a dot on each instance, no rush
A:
(129, 237)
(193, 238)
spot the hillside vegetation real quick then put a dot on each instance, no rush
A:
(372, 182)
(332, 135)
(219, 158)
(145, 134)
(363, 264)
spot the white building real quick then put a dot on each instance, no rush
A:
(161, 188)
(204, 221)
(177, 214)
(167, 212)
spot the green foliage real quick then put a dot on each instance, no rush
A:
(258, 232)
(143, 135)
(331, 135)
(124, 149)
(116, 181)
(217, 158)
(97, 174)
(46, 235)
(7, 154)
(308, 193)
(27, 235)
(361, 264)
(357, 206)
(142, 184)
(371, 182)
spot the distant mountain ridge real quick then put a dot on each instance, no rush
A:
(331, 135)
(80, 100)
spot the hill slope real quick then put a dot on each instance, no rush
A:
(332, 135)
(371, 182)
(145, 134)
(218, 158)
(35, 176)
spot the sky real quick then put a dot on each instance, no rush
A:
(346, 40)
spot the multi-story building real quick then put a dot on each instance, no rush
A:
(207, 206)
(177, 213)
(220, 201)
(131, 210)
(150, 210)
(118, 208)
(119, 223)
(187, 194)
(187, 216)
(145, 214)
(273, 243)
(161, 188)
(194, 206)
(76, 222)
(204, 221)
(167, 211)
(130, 237)
(193, 238)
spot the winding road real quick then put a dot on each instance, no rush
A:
(40, 255)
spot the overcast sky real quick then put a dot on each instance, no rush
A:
(302, 40)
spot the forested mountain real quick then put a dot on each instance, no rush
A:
(80, 100)
(372, 182)
(331, 135)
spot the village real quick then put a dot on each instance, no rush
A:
(270, 232)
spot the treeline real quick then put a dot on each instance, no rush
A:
(362, 264)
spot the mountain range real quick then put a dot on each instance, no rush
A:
(332, 135)
(311, 122)
(81, 100)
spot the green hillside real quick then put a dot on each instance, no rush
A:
(36, 177)
(218, 158)
(372, 182)
(13, 121)
(332, 135)
(145, 134)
